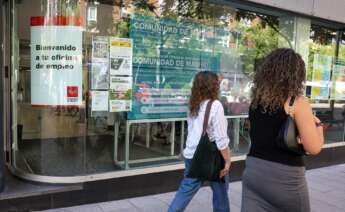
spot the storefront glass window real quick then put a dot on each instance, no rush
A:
(324, 81)
(101, 86)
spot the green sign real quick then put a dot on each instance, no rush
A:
(166, 56)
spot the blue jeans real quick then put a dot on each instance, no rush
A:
(189, 187)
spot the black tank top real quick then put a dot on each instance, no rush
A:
(264, 128)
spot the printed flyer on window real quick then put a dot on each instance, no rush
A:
(120, 93)
(338, 80)
(100, 63)
(56, 61)
(322, 65)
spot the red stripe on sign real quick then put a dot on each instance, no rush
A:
(57, 106)
(55, 21)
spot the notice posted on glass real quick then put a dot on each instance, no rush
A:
(120, 94)
(99, 100)
(100, 63)
(338, 80)
(56, 65)
(120, 56)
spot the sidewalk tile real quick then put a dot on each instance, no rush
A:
(149, 204)
(120, 205)
(166, 197)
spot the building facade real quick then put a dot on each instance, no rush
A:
(96, 92)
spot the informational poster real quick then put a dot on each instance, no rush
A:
(56, 61)
(167, 55)
(99, 100)
(120, 94)
(99, 76)
(100, 48)
(322, 65)
(100, 63)
(338, 80)
(120, 56)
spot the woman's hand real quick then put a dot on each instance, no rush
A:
(225, 171)
(316, 119)
(319, 126)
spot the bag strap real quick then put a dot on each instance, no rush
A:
(207, 115)
(291, 109)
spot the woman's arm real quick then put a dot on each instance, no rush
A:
(311, 136)
(220, 127)
(227, 158)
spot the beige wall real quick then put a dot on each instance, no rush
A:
(327, 9)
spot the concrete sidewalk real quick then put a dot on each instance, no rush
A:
(326, 185)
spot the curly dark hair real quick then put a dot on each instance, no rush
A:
(280, 76)
(205, 86)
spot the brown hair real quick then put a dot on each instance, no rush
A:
(205, 86)
(280, 75)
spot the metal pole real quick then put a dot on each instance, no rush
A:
(182, 138)
(2, 18)
(172, 138)
(337, 45)
(148, 135)
(128, 125)
(116, 139)
(236, 122)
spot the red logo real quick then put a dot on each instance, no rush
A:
(72, 91)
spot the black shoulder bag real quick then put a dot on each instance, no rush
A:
(207, 161)
(288, 137)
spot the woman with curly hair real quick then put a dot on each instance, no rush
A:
(205, 89)
(274, 178)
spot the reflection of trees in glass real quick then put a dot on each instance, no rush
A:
(147, 7)
(257, 35)
(253, 35)
(322, 43)
(257, 40)
(321, 49)
(250, 34)
(342, 47)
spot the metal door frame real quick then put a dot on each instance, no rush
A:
(5, 100)
(5, 58)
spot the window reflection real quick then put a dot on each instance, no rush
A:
(324, 81)
(138, 59)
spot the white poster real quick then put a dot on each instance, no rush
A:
(56, 65)
(120, 95)
(99, 76)
(100, 48)
(100, 63)
(120, 56)
(99, 100)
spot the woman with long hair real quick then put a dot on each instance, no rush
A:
(205, 88)
(274, 178)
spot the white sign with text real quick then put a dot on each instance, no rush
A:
(56, 66)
